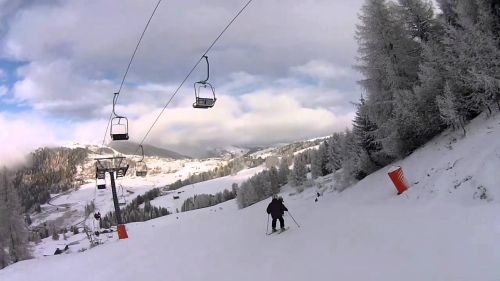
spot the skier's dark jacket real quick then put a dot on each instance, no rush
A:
(276, 208)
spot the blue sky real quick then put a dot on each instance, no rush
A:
(282, 72)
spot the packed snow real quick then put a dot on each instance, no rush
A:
(445, 227)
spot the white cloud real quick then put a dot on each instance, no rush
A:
(20, 135)
(259, 118)
(3, 90)
(269, 37)
(282, 72)
(55, 87)
(322, 70)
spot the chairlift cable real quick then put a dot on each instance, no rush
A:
(128, 67)
(192, 70)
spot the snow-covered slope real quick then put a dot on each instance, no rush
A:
(442, 228)
(207, 187)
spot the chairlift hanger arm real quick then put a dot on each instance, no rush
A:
(142, 151)
(208, 71)
(115, 97)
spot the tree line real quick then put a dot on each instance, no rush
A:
(422, 73)
(263, 184)
(231, 168)
(199, 201)
(49, 170)
(133, 212)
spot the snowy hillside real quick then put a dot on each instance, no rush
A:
(445, 227)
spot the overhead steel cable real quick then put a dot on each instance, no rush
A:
(191, 71)
(128, 68)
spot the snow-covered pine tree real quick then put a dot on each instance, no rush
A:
(298, 175)
(364, 136)
(4, 256)
(471, 61)
(274, 180)
(315, 164)
(417, 17)
(388, 60)
(450, 109)
(55, 233)
(284, 171)
(448, 12)
(415, 113)
(334, 155)
(351, 155)
(319, 160)
(13, 234)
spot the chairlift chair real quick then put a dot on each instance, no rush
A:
(100, 178)
(101, 184)
(141, 169)
(119, 124)
(119, 128)
(204, 86)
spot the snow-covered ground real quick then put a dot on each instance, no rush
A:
(445, 227)
(206, 187)
(68, 208)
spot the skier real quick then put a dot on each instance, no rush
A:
(276, 209)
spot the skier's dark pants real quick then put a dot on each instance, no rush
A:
(282, 221)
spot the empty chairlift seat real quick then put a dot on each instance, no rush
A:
(119, 124)
(119, 128)
(204, 92)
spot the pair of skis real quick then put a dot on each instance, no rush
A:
(279, 231)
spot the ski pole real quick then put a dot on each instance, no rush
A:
(293, 219)
(267, 227)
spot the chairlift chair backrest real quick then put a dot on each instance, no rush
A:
(101, 184)
(204, 102)
(119, 128)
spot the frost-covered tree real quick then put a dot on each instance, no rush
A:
(274, 180)
(334, 154)
(298, 175)
(388, 59)
(371, 156)
(417, 17)
(320, 160)
(284, 171)
(351, 155)
(449, 108)
(55, 233)
(13, 234)
(471, 62)
(315, 164)
(4, 255)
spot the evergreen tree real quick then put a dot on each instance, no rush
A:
(13, 234)
(364, 136)
(417, 17)
(389, 59)
(298, 175)
(283, 171)
(315, 164)
(334, 155)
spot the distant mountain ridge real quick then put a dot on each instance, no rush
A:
(128, 147)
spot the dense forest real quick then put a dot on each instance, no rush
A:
(49, 170)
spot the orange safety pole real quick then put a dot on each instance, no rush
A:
(398, 178)
(122, 232)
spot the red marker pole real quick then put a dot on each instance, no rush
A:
(398, 178)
